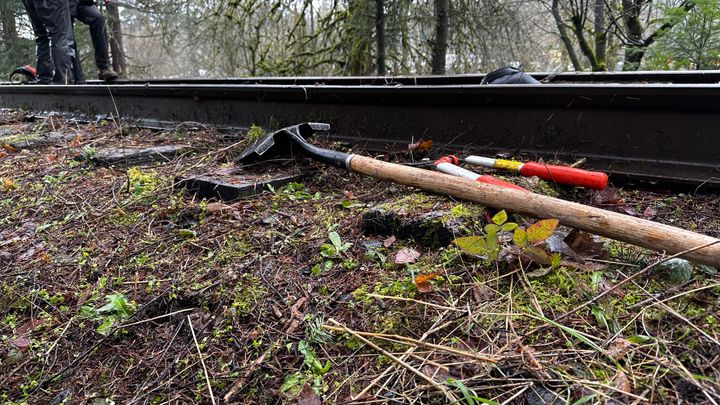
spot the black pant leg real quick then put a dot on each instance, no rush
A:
(44, 63)
(55, 16)
(90, 15)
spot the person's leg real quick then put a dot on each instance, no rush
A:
(90, 15)
(55, 16)
(77, 66)
(44, 63)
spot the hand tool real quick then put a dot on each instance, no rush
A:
(641, 232)
(558, 174)
(448, 164)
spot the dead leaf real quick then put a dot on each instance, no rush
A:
(610, 199)
(8, 185)
(349, 195)
(308, 397)
(538, 255)
(586, 245)
(437, 373)
(77, 141)
(649, 213)
(22, 343)
(406, 256)
(3, 154)
(619, 348)
(29, 326)
(483, 293)
(622, 382)
(422, 144)
(217, 207)
(422, 282)
(9, 148)
(389, 241)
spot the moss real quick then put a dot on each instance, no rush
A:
(254, 133)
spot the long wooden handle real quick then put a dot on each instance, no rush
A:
(640, 232)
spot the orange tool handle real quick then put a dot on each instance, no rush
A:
(566, 175)
(497, 182)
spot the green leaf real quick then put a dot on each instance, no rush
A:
(639, 339)
(106, 327)
(492, 229)
(520, 237)
(472, 245)
(186, 233)
(541, 230)
(509, 226)
(599, 314)
(294, 383)
(500, 218)
(335, 239)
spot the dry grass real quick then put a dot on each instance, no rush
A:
(233, 285)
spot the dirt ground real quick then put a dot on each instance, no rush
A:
(117, 287)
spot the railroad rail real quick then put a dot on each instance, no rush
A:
(664, 130)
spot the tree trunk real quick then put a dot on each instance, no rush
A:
(600, 34)
(442, 21)
(564, 36)
(584, 45)
(635, 48)
(116, 40)
(380, 36)
(9, 27)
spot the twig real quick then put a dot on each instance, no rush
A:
(240, 382)
(417, 372)
(197, 346)
(430, 304)
(417, 342)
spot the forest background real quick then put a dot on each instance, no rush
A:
(223, 38)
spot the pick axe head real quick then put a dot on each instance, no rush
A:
(281, 141)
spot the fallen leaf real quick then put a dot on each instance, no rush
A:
(422, 144)
(77, 141)
(538, 255)
(622, 382)
(649, 213)
(483, 293)
(610, 198)
(619, 348)
(586, 245)
(406, 256)
(436, 373)
(9, 148)
(422, 282)
(389, 241)
(349, 195)
(29, 326)
(3, 154)
(308, 397)
(217, 207)
(8, 185)
(21, 343)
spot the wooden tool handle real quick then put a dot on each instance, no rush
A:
(565, 175)
(640, 232)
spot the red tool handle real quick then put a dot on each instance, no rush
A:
(497, 182)
(566, 175)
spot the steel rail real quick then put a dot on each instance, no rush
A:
(664, 132)
(668, 77)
